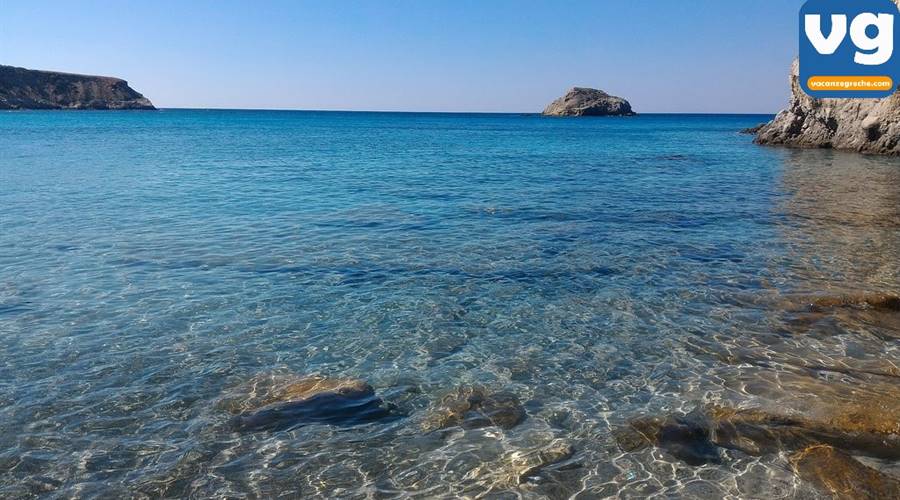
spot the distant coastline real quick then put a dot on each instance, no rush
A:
(22, 88)
(535, 114)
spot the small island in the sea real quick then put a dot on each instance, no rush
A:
(582, 101)
(22, 88)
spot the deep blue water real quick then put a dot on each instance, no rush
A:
(599, 269)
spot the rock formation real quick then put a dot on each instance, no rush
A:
(272, 402)
(752, 130)
(582, 101)
(876, 301)
(842, 476)
(474, 407)
(822, 446)
(868, 428)
(22, 88)
(864, 125)
(525, 466)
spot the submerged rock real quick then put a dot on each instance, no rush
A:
(868, 429)
(686, 437)
(878, 311)
(876, 301)
(279, 402)
(22, 88)
(840, 475)
(328, 407)
(474, 407)
(525, 466)
(580, 101)
(544, 463)
(758, 432)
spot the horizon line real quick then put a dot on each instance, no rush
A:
(535, 113)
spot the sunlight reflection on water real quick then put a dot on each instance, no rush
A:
(596, 269)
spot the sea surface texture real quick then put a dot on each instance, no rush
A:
(162, 272)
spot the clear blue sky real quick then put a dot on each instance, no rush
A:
(417, 55)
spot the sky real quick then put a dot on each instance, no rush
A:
(703, 56)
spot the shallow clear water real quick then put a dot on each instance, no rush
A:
(597, 268)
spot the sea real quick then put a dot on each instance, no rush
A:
(594, 271)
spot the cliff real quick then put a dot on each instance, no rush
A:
(22, 88)
(864, 125)
(581, 101)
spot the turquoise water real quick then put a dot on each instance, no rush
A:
(598, 269)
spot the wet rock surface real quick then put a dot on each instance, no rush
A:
(580, 101)
(842, 476)
(475, 407)
(752, 130)
(282, 402)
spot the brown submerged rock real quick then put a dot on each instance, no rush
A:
(274, 402)
(842, 476)
(312, 386)
(525, 466)
(265, 389)
(879, 312)
(581, 101)
(757, 432)
(22, 88)
(685, 437)
(876, 301)
(474, 407)
(869, 428)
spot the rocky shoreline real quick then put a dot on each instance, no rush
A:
(864, 125)
(870, 126)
